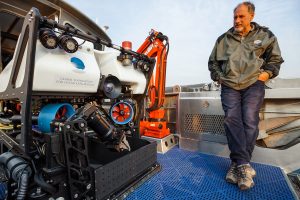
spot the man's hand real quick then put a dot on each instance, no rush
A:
(264, 76)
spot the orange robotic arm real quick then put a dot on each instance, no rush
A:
(156, 46)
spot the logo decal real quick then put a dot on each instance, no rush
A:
(78, 63)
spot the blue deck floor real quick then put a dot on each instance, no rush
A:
(189, 175)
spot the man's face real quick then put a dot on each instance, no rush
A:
(242, 19)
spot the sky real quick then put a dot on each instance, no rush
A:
(193, 27)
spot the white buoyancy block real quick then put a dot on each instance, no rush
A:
(109, 65)
(59, 71)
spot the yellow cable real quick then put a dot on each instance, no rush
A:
(6, 127)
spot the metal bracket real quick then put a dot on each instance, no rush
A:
(163, 144)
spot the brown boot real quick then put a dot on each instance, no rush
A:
(244, 176)
(231, 176)
(251, 170)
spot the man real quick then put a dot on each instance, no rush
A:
(243, 58)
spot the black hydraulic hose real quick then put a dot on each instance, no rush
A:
(38, 178)
(23, 185)
(18, 170)
(154, 106)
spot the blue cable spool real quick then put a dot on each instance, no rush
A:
(50, 112)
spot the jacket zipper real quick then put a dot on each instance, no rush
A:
(241, 46)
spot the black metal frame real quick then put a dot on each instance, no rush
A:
(28, 37)
(76, 146)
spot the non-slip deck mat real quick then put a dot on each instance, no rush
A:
(191, 175)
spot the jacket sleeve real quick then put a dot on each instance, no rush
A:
(213, 65)
(273, 59)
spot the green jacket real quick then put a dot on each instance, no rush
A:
(237, 61)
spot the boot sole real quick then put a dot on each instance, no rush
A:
(231, 181)
(244, 187)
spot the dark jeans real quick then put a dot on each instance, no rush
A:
(241, 109)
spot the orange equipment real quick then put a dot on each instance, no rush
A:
(156, 46)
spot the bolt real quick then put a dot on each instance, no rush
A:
(38, 190)
(131, 124)
(88, 186)
(75, 196)
(82, 125)
(68, 126)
